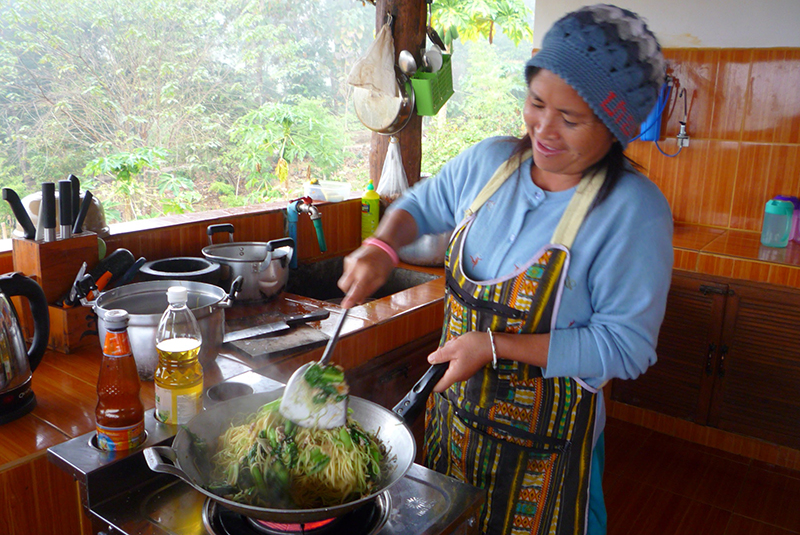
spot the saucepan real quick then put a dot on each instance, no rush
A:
(193, 464)
(263, 266)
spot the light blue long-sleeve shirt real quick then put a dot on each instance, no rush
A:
(620, 266)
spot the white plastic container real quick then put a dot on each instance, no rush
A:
(327, 190)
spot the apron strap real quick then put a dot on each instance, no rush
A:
(577, 208)
(505, 170)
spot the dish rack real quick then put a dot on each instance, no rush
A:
(433, 89)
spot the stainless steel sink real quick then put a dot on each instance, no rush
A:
(318, 280)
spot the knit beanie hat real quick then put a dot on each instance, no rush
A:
(610, 57)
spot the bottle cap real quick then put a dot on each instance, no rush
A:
(370, 186)
(177, 295)
(116, 318)
(779, 207)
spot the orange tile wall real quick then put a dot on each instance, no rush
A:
(744, 128)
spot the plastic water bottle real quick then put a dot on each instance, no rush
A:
(777, 223)
(179, 375)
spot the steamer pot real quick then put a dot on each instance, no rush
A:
(263, 266)
(185, 268)
(147, 301)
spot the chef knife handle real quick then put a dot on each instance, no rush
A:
(24, 219)
(411, 406)
(76, 197)
(49, 205)
(87, 202)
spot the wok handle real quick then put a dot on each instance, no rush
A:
(411, 406)
(155, 455)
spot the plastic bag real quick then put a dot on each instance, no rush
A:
(393, 182)
(375, 71)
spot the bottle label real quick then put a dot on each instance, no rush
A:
(178, 405)
(120, 438)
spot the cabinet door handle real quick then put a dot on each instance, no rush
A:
(723, 350)
(710, 359)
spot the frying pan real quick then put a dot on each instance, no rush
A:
(192, 466)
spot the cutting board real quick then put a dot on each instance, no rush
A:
(297, 338)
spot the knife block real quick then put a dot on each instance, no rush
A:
(54, 265)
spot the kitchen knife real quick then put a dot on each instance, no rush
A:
(77, 228)
(65, 208)
(49, 211)
(277, 326)
(29, 231)
(76, 197)
(110, 269)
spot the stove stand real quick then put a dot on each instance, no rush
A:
(366, 520)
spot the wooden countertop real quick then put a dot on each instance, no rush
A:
(65, 384)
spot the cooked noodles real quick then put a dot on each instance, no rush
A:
(267, 458)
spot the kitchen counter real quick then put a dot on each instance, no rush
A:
(65, 384)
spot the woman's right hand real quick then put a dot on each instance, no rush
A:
(365, 270)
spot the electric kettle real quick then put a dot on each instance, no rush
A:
(17, 363)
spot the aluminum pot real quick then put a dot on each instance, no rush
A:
(263, 266)
(147, 301)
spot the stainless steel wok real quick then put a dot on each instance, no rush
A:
(192, 467)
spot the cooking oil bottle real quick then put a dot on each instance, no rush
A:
(179, 374)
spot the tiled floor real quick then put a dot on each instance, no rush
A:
(656, 484)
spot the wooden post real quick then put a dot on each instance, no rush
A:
(409, 32)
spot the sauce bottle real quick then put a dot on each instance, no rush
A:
(119, 413)
(179, 374)
(370, 208)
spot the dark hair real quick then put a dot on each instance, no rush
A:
(614, 161)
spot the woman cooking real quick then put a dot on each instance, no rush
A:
(557, 277)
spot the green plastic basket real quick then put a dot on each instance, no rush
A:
(433, 89)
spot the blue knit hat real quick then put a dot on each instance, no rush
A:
(610, 57)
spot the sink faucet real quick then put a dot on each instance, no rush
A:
(304, 205)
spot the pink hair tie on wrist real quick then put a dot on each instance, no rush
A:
(385, 247)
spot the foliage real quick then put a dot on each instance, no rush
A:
(480, 19)
(267, 139)
(170, 106)
(492, 94)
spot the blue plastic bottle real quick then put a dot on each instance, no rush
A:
(777, 223)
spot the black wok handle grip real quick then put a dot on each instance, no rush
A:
(411, 406)
(20, 213)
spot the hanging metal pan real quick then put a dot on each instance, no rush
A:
(383, 114)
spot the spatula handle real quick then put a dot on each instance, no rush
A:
(326, 355)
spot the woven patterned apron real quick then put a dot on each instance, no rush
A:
(525, 439)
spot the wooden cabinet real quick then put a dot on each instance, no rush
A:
(388, 378)
(728, 357)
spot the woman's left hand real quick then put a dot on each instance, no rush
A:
(466, 354)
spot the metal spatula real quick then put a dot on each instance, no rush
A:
(300, 402)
